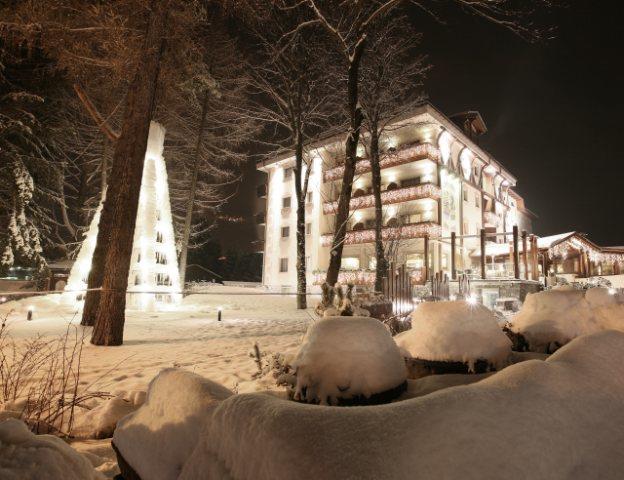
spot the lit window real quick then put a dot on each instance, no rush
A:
(285, 232)
(308, 230)
(350, 263)
(307, 263)
(161, 258)
(283, 265)
(162, 279)
(286, 202)
(309, 198)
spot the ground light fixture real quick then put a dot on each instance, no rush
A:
(219, 310)
(29, 315)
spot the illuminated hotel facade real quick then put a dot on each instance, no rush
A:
(435, 179)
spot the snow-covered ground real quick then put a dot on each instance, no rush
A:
(189, 337)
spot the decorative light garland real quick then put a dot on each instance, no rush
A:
(409, 153)
(564, 248)
(491, 218)
(413, 230)
(418, 192)
(364, 277)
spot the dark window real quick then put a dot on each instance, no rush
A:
(283, 265)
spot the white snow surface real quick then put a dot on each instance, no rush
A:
(26, 456)
(344, 357)
(455, 331)
(554, 419)
(170, 422)
(561, 315)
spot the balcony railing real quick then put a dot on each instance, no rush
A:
(406, 155)
(365, 277)
(402, 232)
(426, 190)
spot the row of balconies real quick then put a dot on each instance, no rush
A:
(407, 154)
(399, 232)
(388, 197)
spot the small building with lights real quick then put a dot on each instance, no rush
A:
(435, 180)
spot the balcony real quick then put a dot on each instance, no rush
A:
(491, 219)
(261, 191)
(426, 190)
(410, 153)
(365, 277)
(402, 232)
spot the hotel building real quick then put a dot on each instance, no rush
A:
(436, 179)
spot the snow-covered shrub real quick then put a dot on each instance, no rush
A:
(25, 456)
(455, 331)
(552, 318)
(157, 438)
(555, 419)
(343, 358)
(100, 421)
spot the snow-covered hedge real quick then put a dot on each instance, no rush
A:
(157, 439)
(455, 331)
(346, 357)
(26, 456)
(558, 316)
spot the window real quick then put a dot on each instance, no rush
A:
(465, 195)
(466, 232)
(308, 230)
(161, 258)
(285, 232)
(350, 263)
(162, 279)
(309, 198)
(286, 202)
(283, 265)
(307, 263)
(414, 260)
(477, 200)
(288, 173)
(137, 280)
(158, 215)
(159, 237)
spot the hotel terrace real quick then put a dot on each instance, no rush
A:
(439, 188)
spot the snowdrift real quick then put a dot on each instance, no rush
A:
(554, 419)
(24, 456)
(157, 439)
(347, 357)
(455, 332)
(561, 315)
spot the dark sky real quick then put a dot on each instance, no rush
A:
(552, 110)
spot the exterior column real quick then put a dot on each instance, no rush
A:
(453, 264)
(525, 259)
(482, 238)
(516, 258)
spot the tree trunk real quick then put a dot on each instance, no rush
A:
(380, 267)
(301, 198)
(190, 204)
(92, 299)
(351, 144)
(120, 208)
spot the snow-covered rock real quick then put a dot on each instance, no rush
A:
(455, 331)
(555, 419)
(346, 357)
(157, 439)
(558, 316)
(26, 456)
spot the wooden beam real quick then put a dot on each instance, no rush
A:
(453, 249)
(516, 258)
(525, 259)
(482, 238)
(426, 239)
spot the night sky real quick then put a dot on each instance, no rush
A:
(553, 110)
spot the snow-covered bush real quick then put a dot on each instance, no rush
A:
(455, 331)
(157, 439)
(25, 456)
(343, 358)
(554, 419)
(552, 318)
